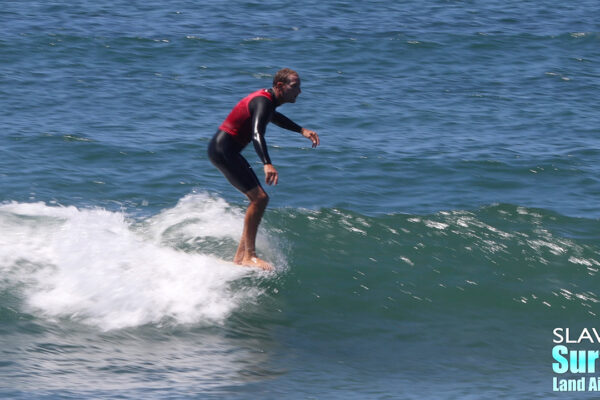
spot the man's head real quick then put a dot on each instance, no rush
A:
(286, 84)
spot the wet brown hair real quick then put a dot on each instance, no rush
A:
(284, 75)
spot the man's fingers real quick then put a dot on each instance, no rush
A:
(272, 178)
(314, 139)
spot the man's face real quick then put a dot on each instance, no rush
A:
(291, 90)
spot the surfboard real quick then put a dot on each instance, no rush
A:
(258, 267)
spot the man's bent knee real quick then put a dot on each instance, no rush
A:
(262, 199)
(258, 196)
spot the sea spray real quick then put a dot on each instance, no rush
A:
(102, 268)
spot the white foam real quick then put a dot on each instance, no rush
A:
(103, 268)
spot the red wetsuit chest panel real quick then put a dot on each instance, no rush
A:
(239, 121)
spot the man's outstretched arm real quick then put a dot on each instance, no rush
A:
(284, 122)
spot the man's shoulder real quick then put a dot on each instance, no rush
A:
(261, 93)
(261, 97)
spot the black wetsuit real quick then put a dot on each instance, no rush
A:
(250, 121)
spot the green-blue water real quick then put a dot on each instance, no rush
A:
(426, 250)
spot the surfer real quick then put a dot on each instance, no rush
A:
(246, 123)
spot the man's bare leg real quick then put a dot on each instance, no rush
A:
(246, 252)
(239, 254)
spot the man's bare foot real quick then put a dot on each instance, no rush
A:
(257, 263)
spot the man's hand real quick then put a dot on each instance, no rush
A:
(271, 175)
(312, 135)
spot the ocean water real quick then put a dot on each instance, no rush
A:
(428, 249)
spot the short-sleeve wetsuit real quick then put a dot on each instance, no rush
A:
(246, 122)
